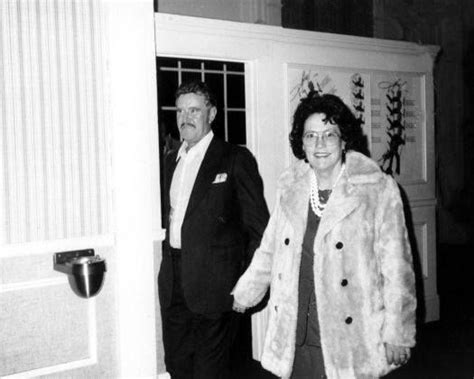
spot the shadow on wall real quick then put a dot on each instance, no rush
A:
(467, 195)
(420, 292)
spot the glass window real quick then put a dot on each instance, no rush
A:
(236, 122)
(227, 81)
(235, 91)
(166, 88)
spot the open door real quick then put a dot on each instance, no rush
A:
(55, 190)
(78, 133)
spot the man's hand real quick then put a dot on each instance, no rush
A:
(238, 307)
(398, 355)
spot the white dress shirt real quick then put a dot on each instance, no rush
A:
(183, 182)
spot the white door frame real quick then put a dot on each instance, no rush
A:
(135, 179)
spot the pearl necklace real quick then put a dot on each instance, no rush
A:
(316, 204)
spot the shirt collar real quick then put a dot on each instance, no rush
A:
(199, 148)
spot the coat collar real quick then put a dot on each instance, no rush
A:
(295, 186)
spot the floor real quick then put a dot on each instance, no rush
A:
(445, 348)
(444, 351)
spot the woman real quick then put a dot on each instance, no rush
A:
(335, 255)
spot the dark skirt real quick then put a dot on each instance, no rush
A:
(308, 362)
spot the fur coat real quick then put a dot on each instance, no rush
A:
(363, 272)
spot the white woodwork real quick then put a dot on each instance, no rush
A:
(135, 179)
(78, 169)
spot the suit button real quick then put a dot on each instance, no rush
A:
(279, 276)
(287, 241)
(348, 320)
(344, 282)
(339, 245)
(276, 308)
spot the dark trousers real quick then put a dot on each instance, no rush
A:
(196, 346)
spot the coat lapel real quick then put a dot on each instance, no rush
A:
(296, 187)
(342, 202)
(345, 198)
(206, 174)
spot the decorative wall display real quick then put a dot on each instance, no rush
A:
(397, 126)
(387, 104)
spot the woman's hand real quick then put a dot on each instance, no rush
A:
(237, 307)
(398, 355)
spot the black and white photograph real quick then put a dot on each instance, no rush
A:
(236, 189)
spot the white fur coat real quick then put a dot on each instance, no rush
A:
(361, 238)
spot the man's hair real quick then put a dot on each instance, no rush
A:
(199, 88)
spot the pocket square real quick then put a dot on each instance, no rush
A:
(220, 178)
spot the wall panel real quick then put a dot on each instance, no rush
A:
(54, 177)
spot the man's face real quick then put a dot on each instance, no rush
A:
(193, 117)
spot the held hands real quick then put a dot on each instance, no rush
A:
(237, 307)
(398, 355)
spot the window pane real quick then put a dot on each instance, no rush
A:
(234, 66)
(169, 134)
(213, 65)
(218, 124)
(189, 76)
(236, 124)
(190, 63)
(167, 84)
(235, 91)
(216, 84)
(168, 123)
(166, 62)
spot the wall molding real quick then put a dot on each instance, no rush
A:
(47, 247)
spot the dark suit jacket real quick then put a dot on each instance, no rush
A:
(222, 227)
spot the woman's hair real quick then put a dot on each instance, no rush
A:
(336, 113)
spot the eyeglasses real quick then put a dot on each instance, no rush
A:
(329, 138)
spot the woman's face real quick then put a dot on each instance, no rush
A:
(322, 144)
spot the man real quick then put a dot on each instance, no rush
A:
(215, 215)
